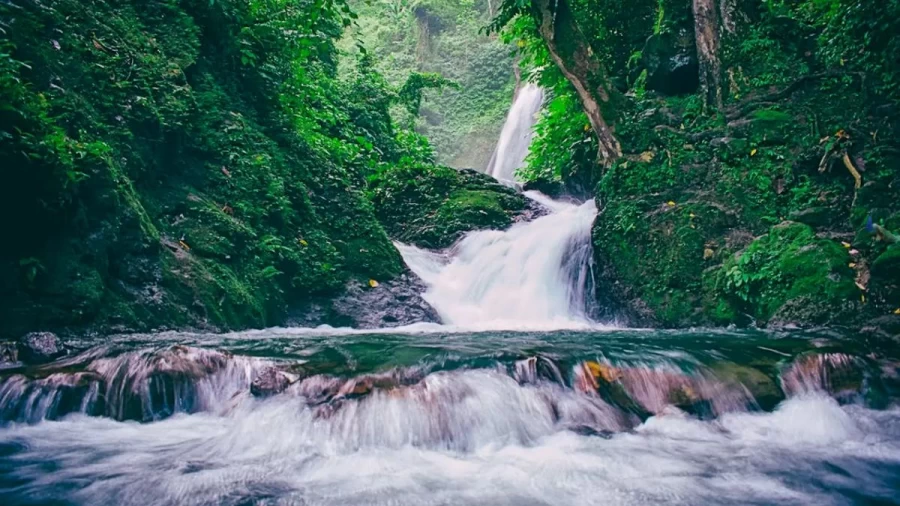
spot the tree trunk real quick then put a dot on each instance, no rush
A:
(707, 30)
(572, 55)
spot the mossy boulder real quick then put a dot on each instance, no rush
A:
(651, 254)
(790, 276)
(433, 207)
(885, 280)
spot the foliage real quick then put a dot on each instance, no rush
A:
(414, 41)
(187, 162)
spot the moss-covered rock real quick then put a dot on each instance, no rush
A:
(432, 207)
(790, 276)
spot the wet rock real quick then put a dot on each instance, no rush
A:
(391, 303)
(671, 63)
(8, 353)
(887, 326)
(270, 381)
(40, 347)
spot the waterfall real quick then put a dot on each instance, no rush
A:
(532, 276)
(512, 148)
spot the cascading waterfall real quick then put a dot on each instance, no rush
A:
(512, 148)
(532, 276)
(432, 415)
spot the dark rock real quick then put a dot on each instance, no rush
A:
(40, 347)
(887, 326)
(816, 217)
(671, 63)
(391, 303)
(270, 381)
(8, 353)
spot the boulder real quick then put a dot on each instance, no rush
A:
(8, 353)
(270, 381)
(40, 347)
(370, 305)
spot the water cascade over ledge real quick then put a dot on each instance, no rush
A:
(532, 276)
(512, 148)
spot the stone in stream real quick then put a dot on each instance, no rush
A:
(270, 381)
(40, 347)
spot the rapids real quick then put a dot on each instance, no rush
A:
(621, 417)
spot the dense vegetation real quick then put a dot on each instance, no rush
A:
(188, 162)
(744, 154)
(441, 37)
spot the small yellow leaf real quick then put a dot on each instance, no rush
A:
(520, 43)
(373, 283)
(692, 215)
(897, 311)
(647, 156)
(862, 299)
(184, 245)
(303, 242)
(587, 127)
(670, 203)
(845, 244)
(753, 152)
(708, 253)
(851, 265)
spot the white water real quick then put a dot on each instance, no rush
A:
(507, 452)
(532, 276)
(515, 137)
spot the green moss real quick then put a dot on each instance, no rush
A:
(790, 270)
(434, 207)
(179, 164)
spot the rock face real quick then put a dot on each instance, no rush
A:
(40, 347)
(391, 303)
(671, 64)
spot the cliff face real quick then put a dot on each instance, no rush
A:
(182, 163)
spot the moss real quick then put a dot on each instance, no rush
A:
(434, 207)
(790, 273)
(168, 178)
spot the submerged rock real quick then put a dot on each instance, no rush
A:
(40, 347)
